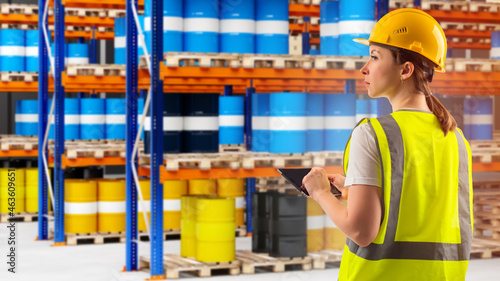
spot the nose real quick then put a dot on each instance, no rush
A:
(364, 69)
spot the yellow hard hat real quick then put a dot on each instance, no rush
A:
(413, 30)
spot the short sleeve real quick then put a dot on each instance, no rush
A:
(364, 165)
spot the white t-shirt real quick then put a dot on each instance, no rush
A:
(364, 162)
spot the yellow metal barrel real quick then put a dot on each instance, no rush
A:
(111, 205)
(334, 238)
(12, 190)
(172, 192)
(188, 226)
(215, 229)
(315, 226)
(145, 185)
(202, 187)
(32, 190)
(234, 188)
(80, 206)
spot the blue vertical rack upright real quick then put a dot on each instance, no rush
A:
(131, 131)
(59, 124)
(43, 87)
(156, 140)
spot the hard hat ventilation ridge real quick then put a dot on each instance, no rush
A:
(401, 30)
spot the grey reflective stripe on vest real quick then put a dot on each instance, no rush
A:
(391, 249)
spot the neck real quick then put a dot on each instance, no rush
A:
(408, 99)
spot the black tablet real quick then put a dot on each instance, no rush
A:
(295, 176)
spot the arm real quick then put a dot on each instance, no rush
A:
(360, 221)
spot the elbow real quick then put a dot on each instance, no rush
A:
(363, 239)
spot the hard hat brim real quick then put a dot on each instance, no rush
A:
(362, 41)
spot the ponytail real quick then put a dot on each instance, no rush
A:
(423, 75)
(444, 117)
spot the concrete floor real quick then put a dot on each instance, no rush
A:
(38, 261)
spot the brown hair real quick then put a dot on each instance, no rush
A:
(423, 73)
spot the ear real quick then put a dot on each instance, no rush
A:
(407, 70)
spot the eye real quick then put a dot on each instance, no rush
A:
(374, 57)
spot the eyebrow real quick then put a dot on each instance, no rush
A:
(374, 51)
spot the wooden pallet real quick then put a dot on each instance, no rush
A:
(95, 151)
(241, 231)
(484, 7)
(19, 76)
(250, 261)
(484, 65)
(339, 62)
(487, 231)
(445, 5)
(174, 265)
(493, 144)
(19, 217)
(232, 147)
(459, 25)
(277, 160)
(484, 249)
(277, 61)
(488, 27)
(13, 144)
(93, 238)
(168, 234)
(486, 156)
(116, 13)
(81, 12)
(321, 258)
(398, 4)
(78, 28)
(96, 70)
(203, 161)
(295, 44)
(18, 9)
(305, 2)
(175, 59)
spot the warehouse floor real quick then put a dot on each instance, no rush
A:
(39, 261)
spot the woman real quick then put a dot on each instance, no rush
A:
(408, 175)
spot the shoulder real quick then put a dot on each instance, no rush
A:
(363, 132)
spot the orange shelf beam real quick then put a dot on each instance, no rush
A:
(221, 173)
(303, 10)
(477, 34)
(486, 167)
(459, 16)
(68, 20)
(464, 45)
(89, 161)
(97, 4)
(299, 28)
(32, 87)
(88, 35)
(19, 153)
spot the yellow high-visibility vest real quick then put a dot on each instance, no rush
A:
(426, 225)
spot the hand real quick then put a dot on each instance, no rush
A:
(316, 182)
(339, 181)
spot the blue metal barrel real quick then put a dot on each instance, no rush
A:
(120, 40)
(356, 20)
(481, 118)
(260, 122)
(315, 122)
(363, 109)
(201, 124)
(115, 119)
(495, 45)
(32, 50)
(12, 50)
(201, 26)
(78, 53)
(329, 27)
(237, 26)
(288, 123)
(172, 125)
(231, 119)
(340, 111)
(29, 117)
(71, 119)
(271, 27)
(92, 119)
